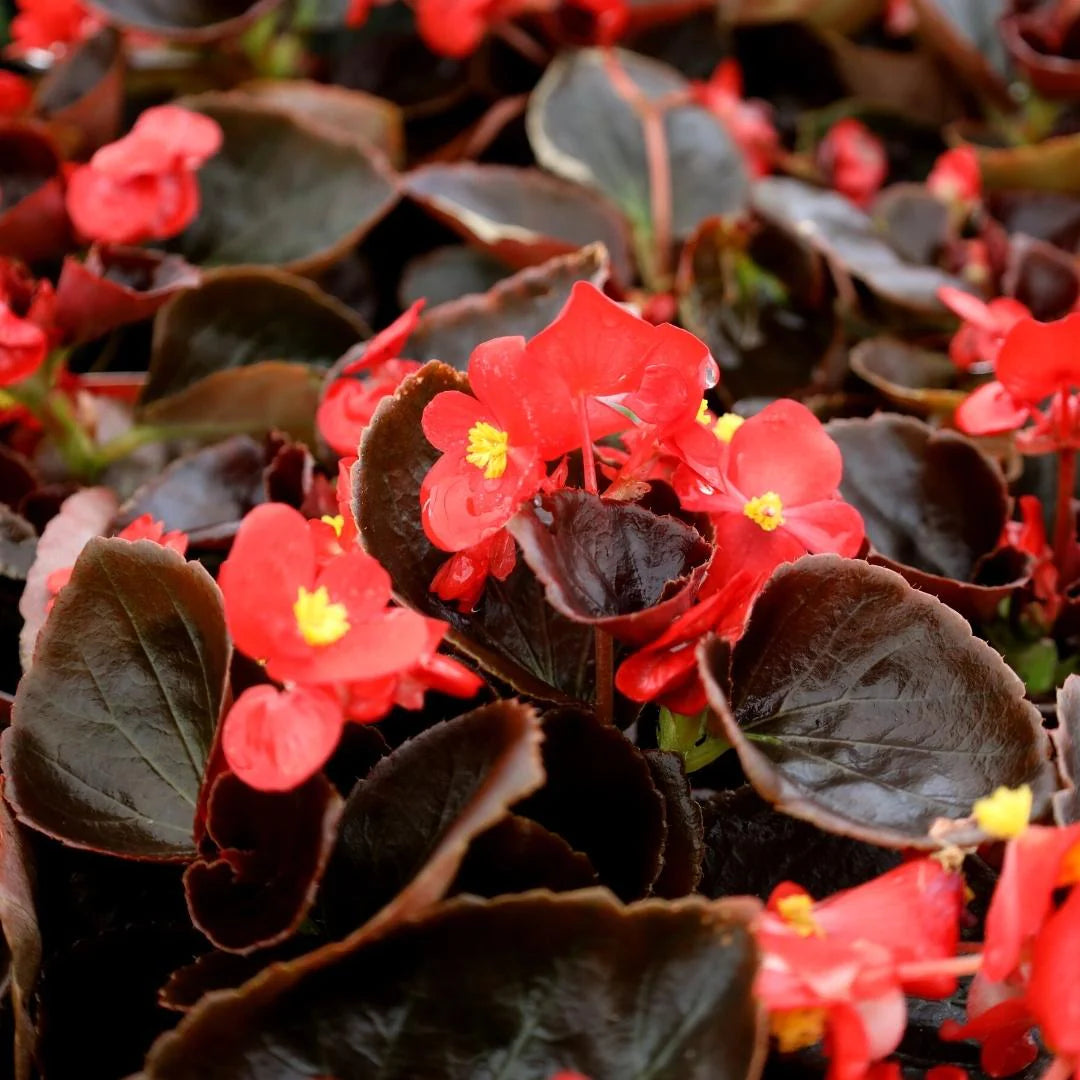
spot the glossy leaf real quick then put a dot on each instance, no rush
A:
(612, 565)
(448, 273)
(280, 192)
(525, 985)
(520, 216)
(912, 378)
(867, 707)
(132, 662)
(407, 825)
(684, 846)
(189, 21)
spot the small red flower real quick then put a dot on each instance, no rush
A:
(350, 401)
(1000, 1021)
(274, 739)
(778, 498)
(976, 345)
(956, 178)
(27, 322)
(1036, 362)
(23, 346)
(854, 160)
(143, 186)
(461, 579)
(750, 122)
(15, 95)
(356, 14)
(901, 17)
(455, 28)
(313, 624)
(51, 24)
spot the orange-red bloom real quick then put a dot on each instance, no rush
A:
(51, 24)
(15, 94)
(956, 178)
(143, 186)
(976, 345)
(853, 158)
(749, 122)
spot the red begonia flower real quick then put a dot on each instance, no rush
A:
(143, 186)
(491, 461)
(838, 966)
(1037, 862)
(955, 178)
(854, 160)
(978, 341)
(350, 401)
(313, 624)
(51, 24)
(1054, 988)
(274, 739)
(27, 322)
(23, 346)
(15, 95)
(589, 22)
(461, 579)
(356, 14)
(779, 498)
(750, 123)
(455, 28)
(1002, 1026)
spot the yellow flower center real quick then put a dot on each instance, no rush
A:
(765, 510)
(797, 911)
(727, 425)
(487, 449)
(796, 1029)
(1005, 814)
(703, 416)
(319, 621)
(335, 521)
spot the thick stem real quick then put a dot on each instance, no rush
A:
(1065, 519)
(605, 677)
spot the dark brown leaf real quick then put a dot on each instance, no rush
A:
(520, 216)
(867, 707)
(448, 273)
(524, 986)
(113, 724)
(407, 825)
(33, 218)
(189, 21)
(268, 855)
(912, 378)
(684, 846)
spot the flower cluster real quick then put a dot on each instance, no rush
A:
(313, 609)
(143, 186)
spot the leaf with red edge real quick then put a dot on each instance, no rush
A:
(520, 216)
(514, 633)
(187, 21)
(281, 192)
(867, 707)
(583, 129)
(407, 825)
(847, 237)
(82, 97)
(611, 565)
(33, 218)
(132, 663)
(336, 110)
(933, 503)
(524, 986)
(523, 303)
(19, 922)
(911, 378)
(268, 854)
(601, 798)
(82, 516)
(448, 273)
(114, 286)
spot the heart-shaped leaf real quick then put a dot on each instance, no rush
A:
(522, 986)
(867, 707)
(407, 825)
(520, 216)
(582, 127)
(281, 192)
(189, 21)
(132, 662)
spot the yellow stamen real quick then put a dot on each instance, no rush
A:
(335, 521)
(727, 425)
(796, 1029)
(765, 510)
(319, 621)
(703, 416)
(797, 911)
(1005, 814)
(487, 449)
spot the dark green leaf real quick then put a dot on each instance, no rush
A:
(113, 724)
(518, 987)
(867, 707)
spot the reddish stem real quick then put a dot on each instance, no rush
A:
(588, 459)
(1065, 518)
(605, 677)
(956, 966)
(525, 45)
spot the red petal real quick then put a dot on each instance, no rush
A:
(743, 547)
(785, 449)
(832, 526)
(188, 138)
(23, 346)
(448, 416)
(991, 410)
(1038, 359)
(387, 343)
(966, 306)
(275, 740)
(1054, 991)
